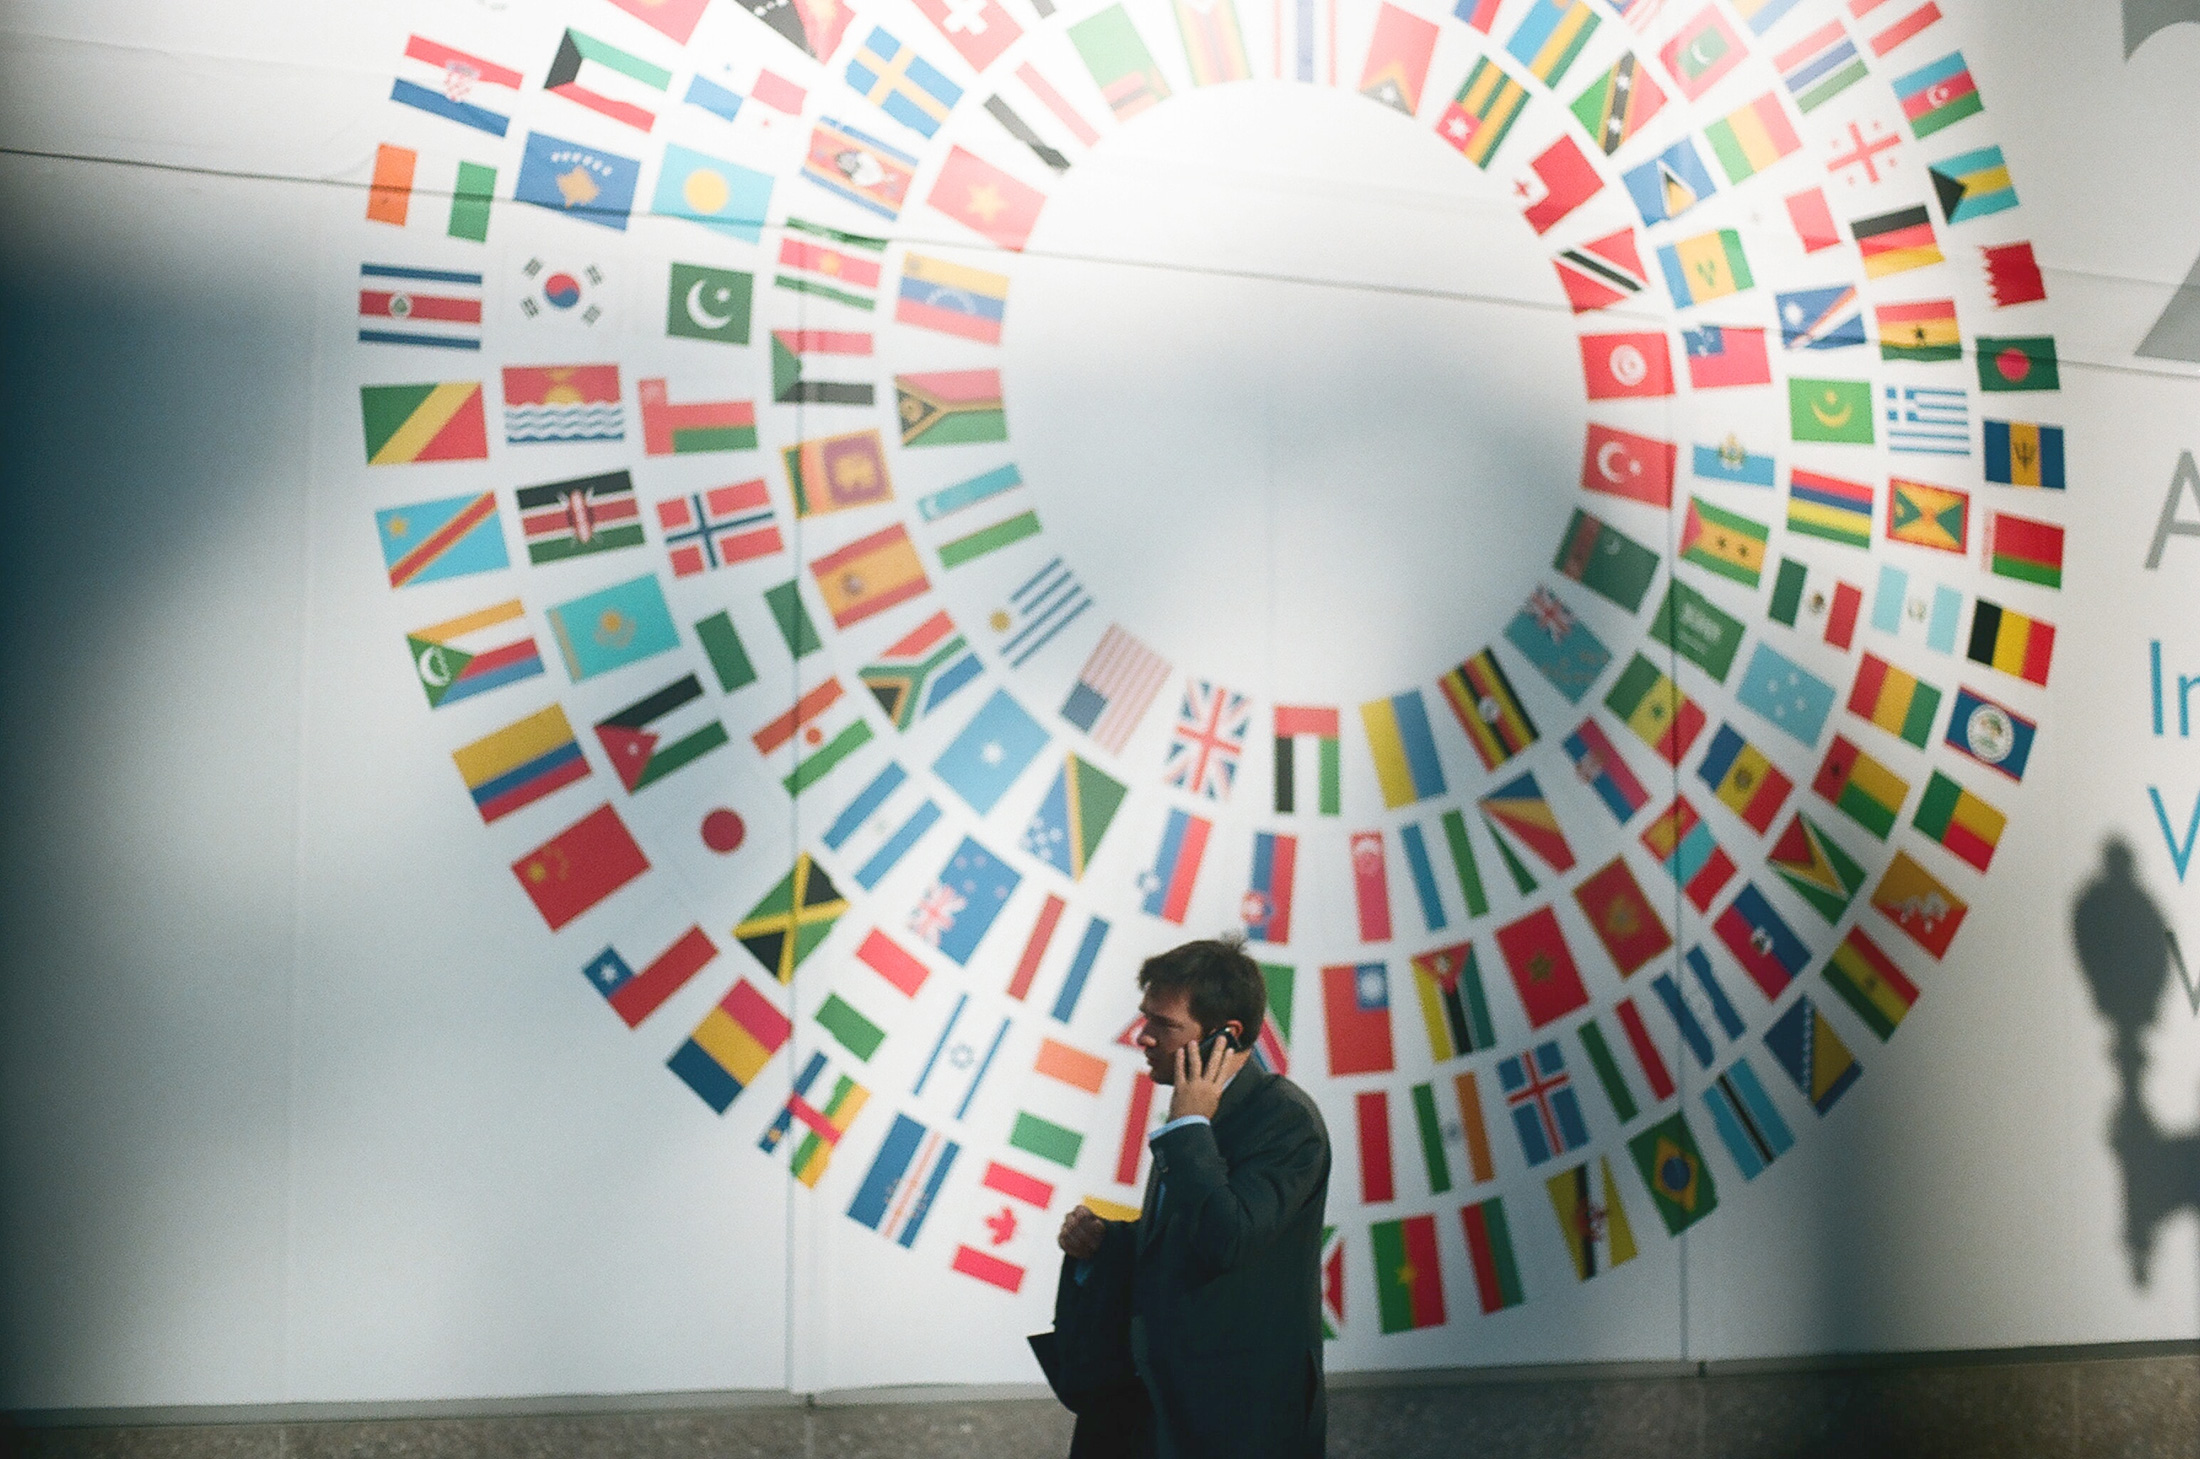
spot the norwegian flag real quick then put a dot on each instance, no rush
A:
(723, 525)
(1210, 736)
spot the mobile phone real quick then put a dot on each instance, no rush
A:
(1214, 1044)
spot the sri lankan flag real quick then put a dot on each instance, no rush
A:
(1815, 866)
(2011, 642)
(1724, 542)
(792, 919)
(1928, 516)
(1489, 711)
(1488, 103)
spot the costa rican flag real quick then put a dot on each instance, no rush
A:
(1211, 725)
(726, 524)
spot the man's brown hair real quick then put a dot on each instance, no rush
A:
(1222, 983)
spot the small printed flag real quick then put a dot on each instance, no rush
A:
(1623, 464)
(1622, 917)
(1829, 507)
(590, 514)
(891, 76)
(1332, 1270)
(817, 753)
(1560, 180)
(1356, 1012)
(987, 200)
(1990, 733)
(1209, 738)
(1897, 702)
(1654, 708)
(1893, 243)
(1803, 1044)
(1928, 516)
(1520, 806)
(1475, 124)
(858, 167)
(1601, 272)
(731, 1046)
(1902, 30)
(581, 182)
(1591, 1218)
(789, 921)
(1397, 59)
(1672, 1167)
(1076, 812)
(1267, 908)
(472, 654)
(1820, 66)
(904, 1179)
(1702, 52)
(1604, 770)
(1626, 366)
(1550, 36)
(1749, 140)
(1448, 981)
(978, 32)
(1861, 788)
(960, 906)
(1214, 46)
(552, 403)
(1697, 629)
(950, 408)
(1746, 1119)
(1830, 410)
(396, 172)
(709, 304)
(1815, 866)
(829, 474)
(2009, 641)
(833, 267)
(1036, 1135)
(1731, 461)
(1922, 332)
(1684, 1018)
(641, 753)
(1800, 591)
(1868, 981)
(1546, 1112)
(1960, 821)
(1790, 696)
(1115, 688)
(1928, 420)
(613, 627)
(411, 423)
(1371, 1114)
(723, 196)
(675, 18)
(1670, 183)
(874, 842)
(1004, 531)
(1321, 723)
(1938, 95)
(1761, 15)
(1722, 356)
(990, 752)
(793, 349)
(1542, 967)
(521, 763)
(634, 996)
(1120, 64)
(1724, 542)
(1490, 1254)
(2021, 548)
(718, 527)
(1618, 104)
(454, 537)
(1820, 319)
(1684, 845)
(826, 1106)
(952, 298)
(581, 57)
(1409, 1278)
(1483, 700)
(2022, 453)
(580, 866)
(2026, 363)
(1371, 885)
(1813, 220)
(870, 575)
(1271, 1048)
(1562, 648)
(436, 307)
(2013, 274)
(455, 76)
(1167, 887)
(1976, 184)
(1761, 941)
(1744, 781)
(1044, 604)
(1606, 560)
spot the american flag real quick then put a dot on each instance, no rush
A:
(1115, 688)
(1210, 736)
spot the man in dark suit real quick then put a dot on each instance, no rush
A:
(1198, 1328)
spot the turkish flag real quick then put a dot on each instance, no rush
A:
(1621, 463)
(1626, 366)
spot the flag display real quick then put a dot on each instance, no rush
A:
(1808, 1050)
(1448, 982)
(1761, 941)
(2023, 453)
(1655, 709)
(1990, 733)
(1564, 650)
(1356, 1013)
(1409, 1279)
(1868, 981)
(1546, 1112)
(1591, 1217)
(1861, 788)
(1815, 867)
(1483, 700)
(1618, 104)
(429, 541)
(1976, 184)
(1671, 1164)
(1606, 560)
(1622, 917)
(2004, 639)
(1542, 967)
(1682, 842)
(1476, 121)
(1914, 900)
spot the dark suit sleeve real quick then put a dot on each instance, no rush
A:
(1239, 1207)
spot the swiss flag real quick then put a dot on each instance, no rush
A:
(1626, 366)
(1562, 181)
(1621, 463)
(979, 32)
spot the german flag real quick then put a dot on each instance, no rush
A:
(1894, 242)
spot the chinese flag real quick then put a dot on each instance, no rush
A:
(580, 866)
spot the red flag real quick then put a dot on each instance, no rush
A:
(1721, 355)
(1377, 1182)
(1622, 463)
(1626, 366)
(987, 200)
(1563, 180)
(1356, 1008)
(1813, 220)
(1542, 967)
(1601, 272)
(1622, 917)
(1371, 885)
(979, 32)
(580, 866)
(2013, 274)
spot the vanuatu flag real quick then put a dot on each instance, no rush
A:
(950, 407)
(1409, 1282)
(1672, 1167)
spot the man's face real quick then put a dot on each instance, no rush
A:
(1169, 1026)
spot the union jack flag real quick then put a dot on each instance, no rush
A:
(935, 913)
(1551, 615)
(1210, 736)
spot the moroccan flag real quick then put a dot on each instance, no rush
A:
(409, 423)
(1623, 464)
(791, 919)
(1542, 967)
(870, 575)
(580, 866)
(1897, 702)
(1488, 709)
(1815, 866)
(1960, 821)
(1761, 941)
(1672, 1167)
(1409, 1280)
(1915, 901)
(1356, 1008)
(1624, 920)
(1928, 516)
(1724, 542)
(987, 200)
(2011, 642)
(1489, 1248)
(1861, 788)
(1488, 103)
(1869, 982)
(1652, 705)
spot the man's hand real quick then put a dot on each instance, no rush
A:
(1082, 1232)
(1199, 1080)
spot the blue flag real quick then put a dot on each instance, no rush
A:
(720, 195)
(1560, 645)
(972, 888)
(613, 627)
(1793, 698)
(984, 760)
(586, 182)
(1670, 183)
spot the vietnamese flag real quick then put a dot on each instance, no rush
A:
(987, 200)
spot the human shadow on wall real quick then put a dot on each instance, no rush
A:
(2127, 950)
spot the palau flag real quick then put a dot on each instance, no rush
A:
(720, 195)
